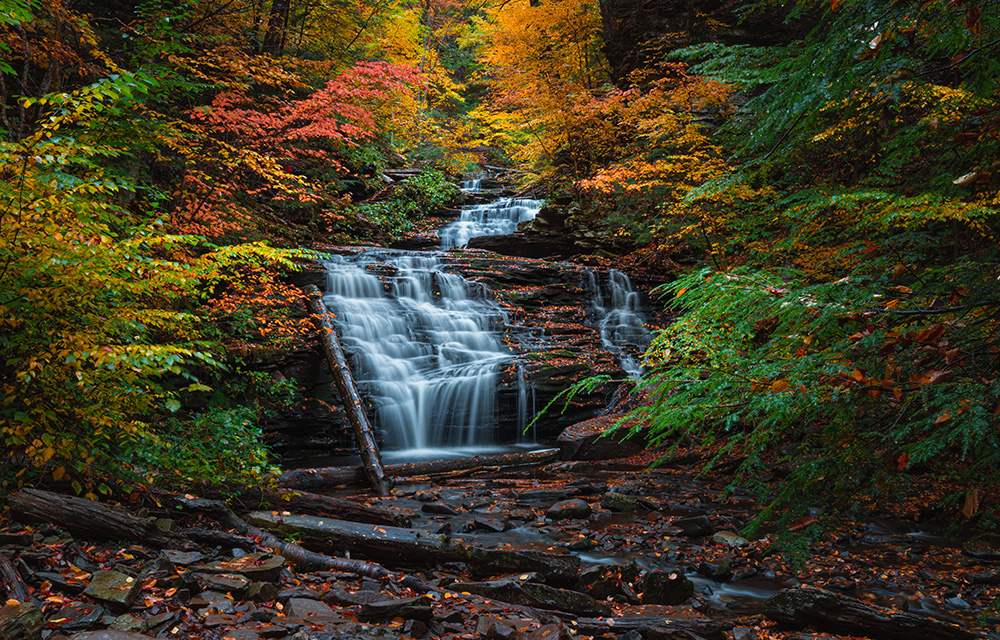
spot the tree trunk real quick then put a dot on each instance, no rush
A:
(407, 546)
(87, 518)
(277, 26)
(317, 478)
(320, 505)
(348, 392)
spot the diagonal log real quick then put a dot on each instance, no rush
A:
(348, 391)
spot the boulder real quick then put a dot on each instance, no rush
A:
(587, 440)
(533, 594)
(618, 502)
(666, 587)
(114, 588)
(574, 509)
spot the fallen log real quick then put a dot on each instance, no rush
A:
(829, 611)
(12, 581)
(353, 405)
(406, 546)
(329, 506)
(88, 518)
(654, 627)
(326, 476)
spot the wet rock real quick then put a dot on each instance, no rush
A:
(162, 621)
(491, 628)
(114, 588)
(415, 628)
(541, 495)
(21, 622)
(262, 592)
(569, 509)
(666, 587)
(986, 577)
(744, 633)
(77, 616)
(605, 581)
(222, 582)
(586, 441)
(67, 584)
(348, 598)
(984, 549)
(418, 608)
(183, 558)
(129, 623)
(730, 539)
(548, 632)
(720, 571)
(494, 525)
(218, 601)
(618, 502)
(241, 634)
(695, 527)
(109, 634)
(533, 594)
(255, 567)
(298, 591)
(439, 508)
(214, 620)
(355, 631)
(311, 611)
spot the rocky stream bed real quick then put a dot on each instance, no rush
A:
(570, 549)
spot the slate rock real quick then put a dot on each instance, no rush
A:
(129, 623)
(439, 508)
(574, 509)
(490, 628)
(605, 581)
(695, 527)
(537, 595)
(263, 592)
(350, 599)
(310, 611)
(355, 631)
(241, 634)
(255, 567)
(68, 584)
(493, 525)
(618, 502)
(548, 632)
(110, 634)
(730, 539)
(77, 617)
(418, 608)
(223, 582)
(220, 620)
(114, 588)
(21, 622)
(586, 441)
(298, 591)
(666, 587)
(214, 599)
(183, 558)
(162, 621)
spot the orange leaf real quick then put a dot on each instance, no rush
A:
(780, 385)
(972, 501)
(944, 417)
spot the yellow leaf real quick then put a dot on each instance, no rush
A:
(59, 473)
(780, 385)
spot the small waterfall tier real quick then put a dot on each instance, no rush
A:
(471, 186)
(619, 319)
(425, 347)
(493, 219)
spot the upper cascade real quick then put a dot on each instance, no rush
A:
(495, 218)
(619, 319)
(426, 347)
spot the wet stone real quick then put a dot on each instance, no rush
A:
(349, 599)
(220, 619)
(214, 599)
(64, 583)
(695, 527)
(241, 634)
(666, 587)
(730, 539)
(262, 592)
(298, 591)
(77, 617)
(255, 567)
(129, 623)
(110, 634)
(418, 608)
(569, 509)
(114, 588)
(439, 508)
(229, 583)
(165, 619)
(491, 628)
(618, 502)
(21, 622)
(183, 558)
(494, 525)
(311, 611)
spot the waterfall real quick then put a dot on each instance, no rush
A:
(425, 347)
(493, 219)
(471, 186)
(619, 319)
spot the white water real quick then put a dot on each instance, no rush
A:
(619, 320)
(496, 218)
(425, 349)
(471, 186)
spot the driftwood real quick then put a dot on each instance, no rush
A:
(654, 627)
(87, 518)
(828, 611)
(348, 392)
(317, 478)
(406, 546)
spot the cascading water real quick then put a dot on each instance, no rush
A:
(493, 219)
(619, 320)
(471, 186)
(425, 349)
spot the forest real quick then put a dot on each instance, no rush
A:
(805, 194)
